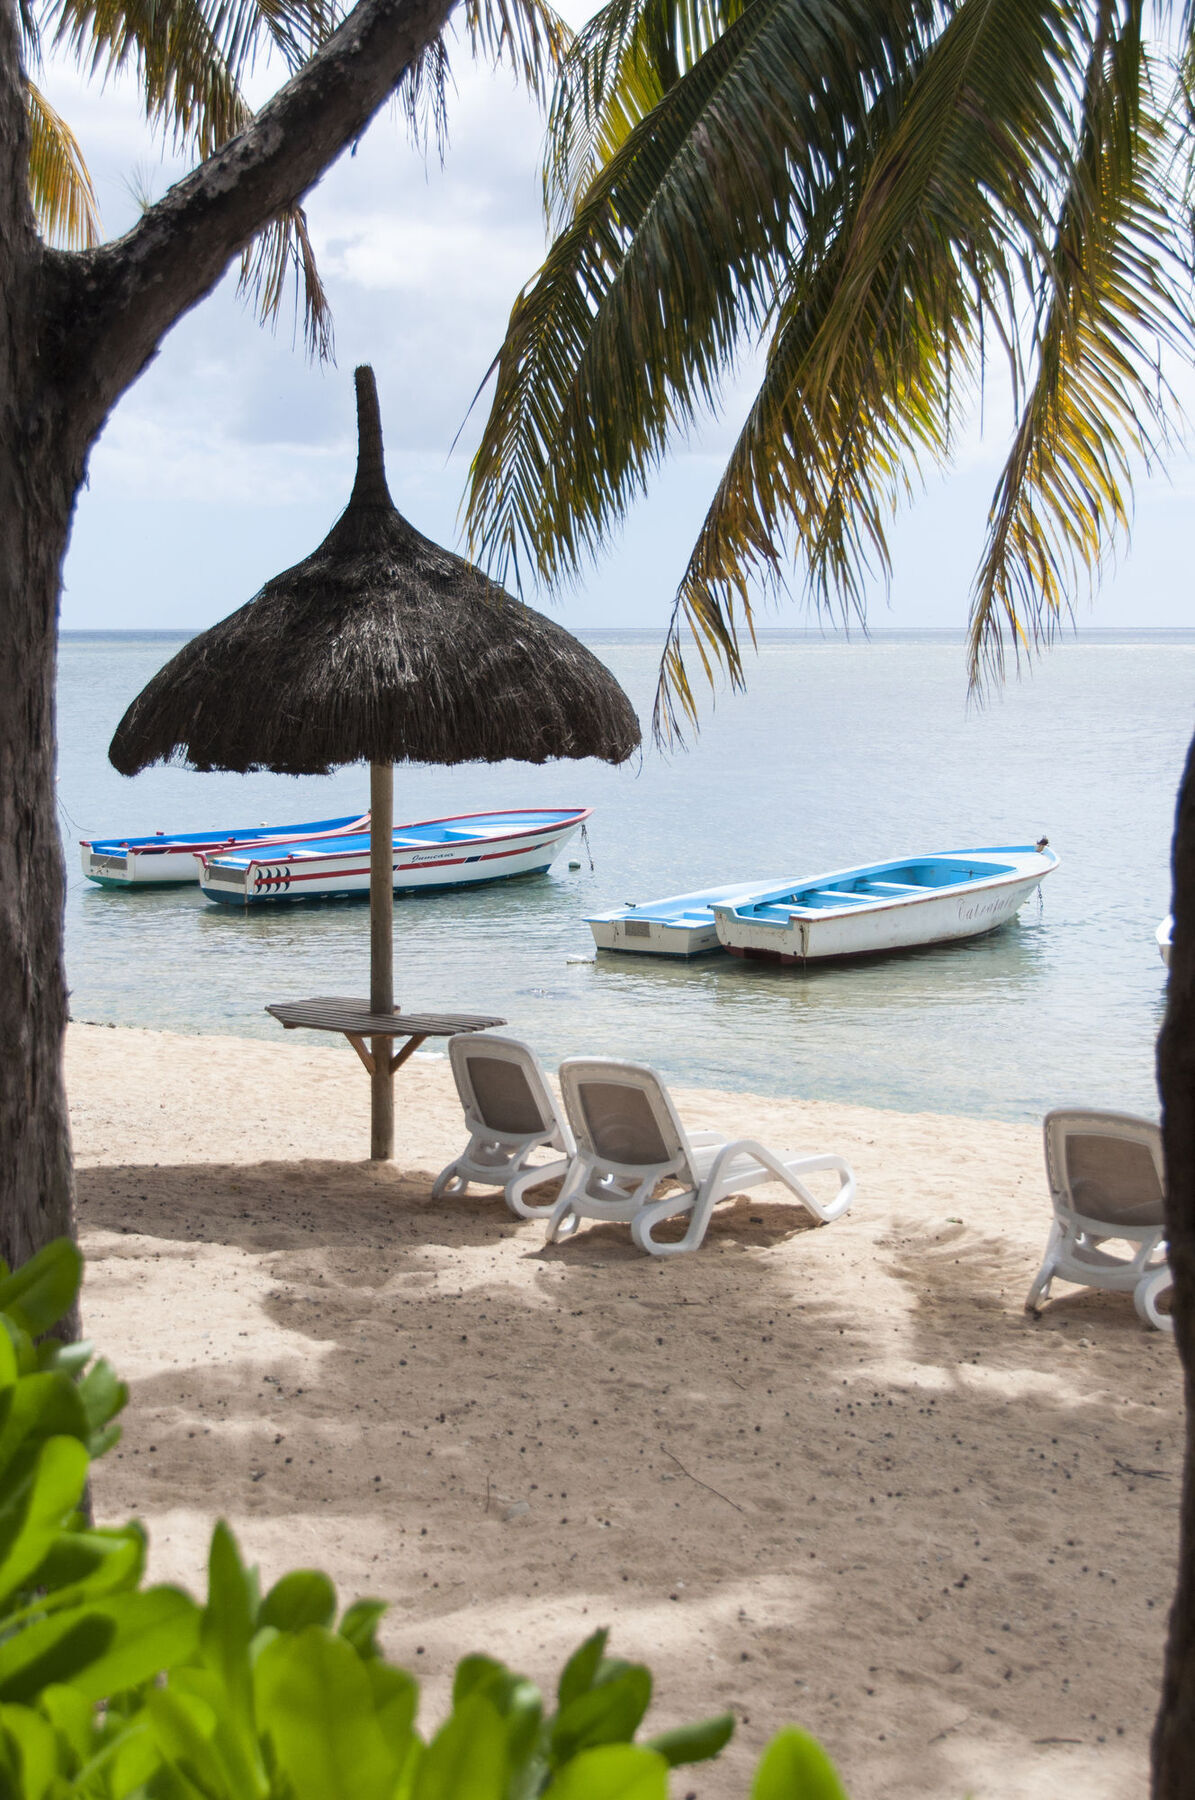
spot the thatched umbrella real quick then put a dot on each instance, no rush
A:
(381, 648)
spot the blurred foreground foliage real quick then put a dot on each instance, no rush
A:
(112, 1690)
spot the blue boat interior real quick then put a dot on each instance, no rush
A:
(160, 840)
(868, 887)
(406, 837)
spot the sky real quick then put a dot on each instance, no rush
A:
(233, 453)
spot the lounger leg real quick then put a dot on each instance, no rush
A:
(529, 1178)
(668, 1208)
(1146, 1295)
(449, 1183)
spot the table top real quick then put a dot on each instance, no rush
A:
(336, 1013)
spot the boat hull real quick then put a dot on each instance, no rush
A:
(809, 926)
(161, 861)
(467, 858)
(680, 925)
(1163, 936)
(654, 937)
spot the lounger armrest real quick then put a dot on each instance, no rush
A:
(789, 1169)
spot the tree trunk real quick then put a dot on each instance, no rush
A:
(1174, 1731)
(38, 480)
(35, 1173)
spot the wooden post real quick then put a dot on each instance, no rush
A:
(381, 955)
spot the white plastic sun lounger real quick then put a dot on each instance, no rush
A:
(629, 1138)
(510, 1113)
(1106, 1174)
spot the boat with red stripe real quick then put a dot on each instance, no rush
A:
(462, 851)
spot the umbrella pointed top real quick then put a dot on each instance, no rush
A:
(380, 647)
(370, 488)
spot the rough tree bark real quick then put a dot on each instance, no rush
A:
(75, 331)
(1174, 1732)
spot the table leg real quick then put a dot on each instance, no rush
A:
(408, 1049)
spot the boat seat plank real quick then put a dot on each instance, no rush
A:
(838, 895)
(891, 890)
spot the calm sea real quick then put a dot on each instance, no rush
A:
(840, 752)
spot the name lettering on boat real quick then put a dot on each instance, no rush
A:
(986, 910)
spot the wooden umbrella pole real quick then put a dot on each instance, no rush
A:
(381, 954)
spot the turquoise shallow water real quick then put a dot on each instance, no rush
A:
(839, 753)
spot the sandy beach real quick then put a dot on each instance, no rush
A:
(832, 1475)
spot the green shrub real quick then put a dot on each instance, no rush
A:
(111, 1690)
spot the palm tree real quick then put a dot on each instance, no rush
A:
(884, 196)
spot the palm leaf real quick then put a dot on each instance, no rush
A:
(529, 35)
(620, 66)
(280, 257)
(1112, 285)
(190, 57)
(673, 255)
(60, 186)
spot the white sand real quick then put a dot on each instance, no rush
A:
(832, 1475)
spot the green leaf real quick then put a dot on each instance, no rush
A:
(614, 1772)
(228, 1623)
(43, 1289)
(608, 1714)
(101, 1649)
(580, 1671)
(315, 1702)
(103, 1395)
(184, 1728)
(84, 1566)
(523, 1712)
(8, 1362)
(304, 1597)
(32, 1745)
(395, 1703)
(72, 1716)
(64, 1359)
(474, 1672)
(34, 1515)
(359, 1625)
(466, 1760)
(795, 1767)
(694, 1743)
(37, 1406)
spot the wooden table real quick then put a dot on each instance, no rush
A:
(354, 1019)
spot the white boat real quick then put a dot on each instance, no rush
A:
(436, 853)
(1163, 935)
(931, 899)
(165, 860)
(680, 925)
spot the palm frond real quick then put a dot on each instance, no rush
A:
(673, 254)
(1111, 288)
(281, 257)
(821, 471)
(422, 98)
(189, 57)
(619, 66)
(529, 35)
(60, 185)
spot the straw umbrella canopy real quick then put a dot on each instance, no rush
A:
(381, 647)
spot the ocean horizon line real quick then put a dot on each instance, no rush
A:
(953, 634)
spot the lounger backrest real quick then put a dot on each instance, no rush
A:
(620, 1113)
(501, 1083)
(1107, 1167)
